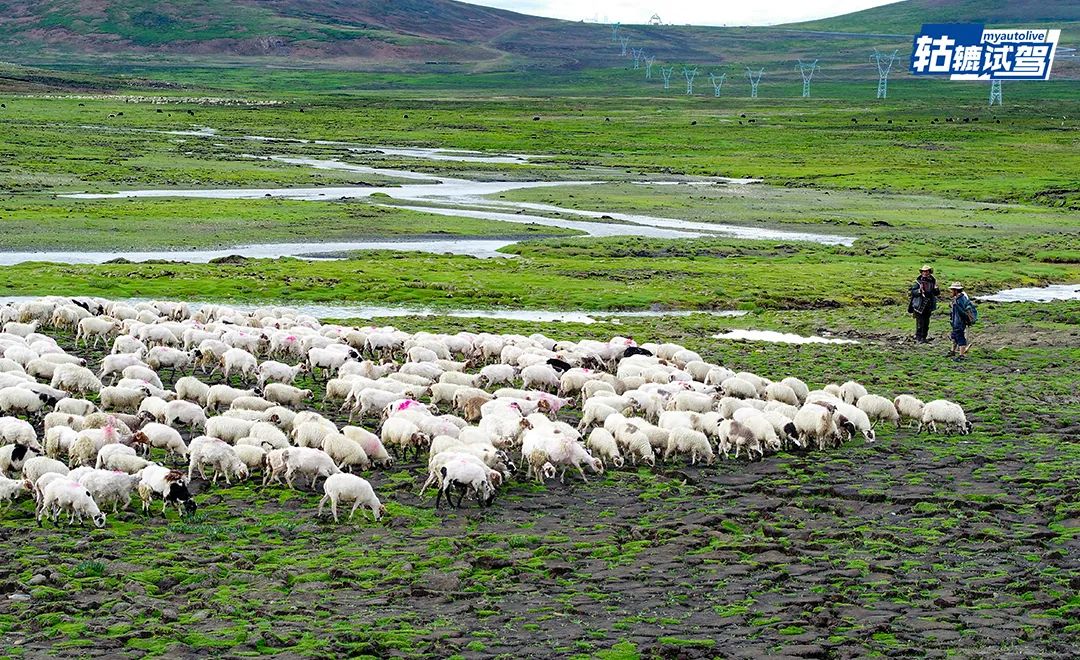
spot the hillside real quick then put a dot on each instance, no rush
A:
(449, 36)
(906, 17)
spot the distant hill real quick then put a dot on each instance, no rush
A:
(906, 17)
(444, 35)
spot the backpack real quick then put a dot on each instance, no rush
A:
(971, 313)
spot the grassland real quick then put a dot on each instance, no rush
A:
(914, 544)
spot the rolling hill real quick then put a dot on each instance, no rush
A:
(444, 35)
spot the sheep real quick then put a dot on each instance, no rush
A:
(694, 402)
(70, 496)
(603, 443)
(815, 422)
(909, 408)
(941, 411)
(329, 359)
(738, 388)
(494, 374)
(58, 441)
(781, 392)
(251, 403)
(540, 376)
(878, 408)
(21, 400)
(277, 372)
(346, 488)
(237, 360)
(736, 434)
(312, 462)
(192, 389)
(143, 373)
(268, 433)
(107, 487)
(286, 395)
(10, 489)
(154, 408)
(466, 473)
(98, 327)
(38, 465)
(797, 386)
(850, 392)
(345, 452)
(20, 329)
(161, 436)
(764, 432)
(371, 444)
(72, 406)
(205, 450)
(109, 450)
(689, 441)
(122, 399)
(167, 484)
(184, 413)
(128, 463)
(222, 396)
(252, 456)
(229, 429)
(401, 434)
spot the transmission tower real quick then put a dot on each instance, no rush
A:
(614, 32)
(807, 72)
(995, 92)
(665, 73)
(689, 74)
(649, 61)
(624, 42)
(717, 82)
(884, 64)
(754, 80)
(637, 54)
(655, 20)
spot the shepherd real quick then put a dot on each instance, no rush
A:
(962, 314)
(924, 293)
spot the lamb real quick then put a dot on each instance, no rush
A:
(160, 436)
(878, 408)
(205, 450)
(738, 388)
(941, 411)
(192, 389)
(349, 487)
(909, 408)
(184, 413)
(637, 445)
(689, 441)
(286, 395)
(603, 443)
(167, 484)
(10, 489)
(39, 465)
(815, 422)
(70, 496)
(850, 392)
(313, 463)
(736, 434)
(345, 452)
(764, 433)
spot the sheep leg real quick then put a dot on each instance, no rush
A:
(439, 494)
(582, 473)
(355, 506)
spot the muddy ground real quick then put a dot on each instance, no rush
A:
(914, 545)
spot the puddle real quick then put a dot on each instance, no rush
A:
(778, 337)
(1036, 294)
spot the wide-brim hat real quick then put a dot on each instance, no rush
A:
(956, 286)
(926, 267)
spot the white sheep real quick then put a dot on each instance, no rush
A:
(169, 485)
(286, 395)
(237, 360)
(192, 389)
(909, 408)
(350, 488)
(122, 399)
(371, 443)
(70, 496)
(815, 422)
(205, 450)
(19, 400)
(781, 392)
(345, 451)
(97, 327)
(603, 443)
(941, 411)
(161, 436)
(222, 396)
(229, 429)
(107, 487)
(184, 413)
(851, 391)
(401, 434)
(39, 465)
(10, 489)
(311, 462)
(467, 474)
(277, 372)
(689, 441)
(797, 386)
(878, 408)
(72, 406)
(738, 388)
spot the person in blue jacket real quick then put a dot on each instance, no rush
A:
(961, 316)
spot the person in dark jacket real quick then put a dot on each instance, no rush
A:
(961, 315)
(924, 293)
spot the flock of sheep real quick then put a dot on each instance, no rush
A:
(79, 446)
